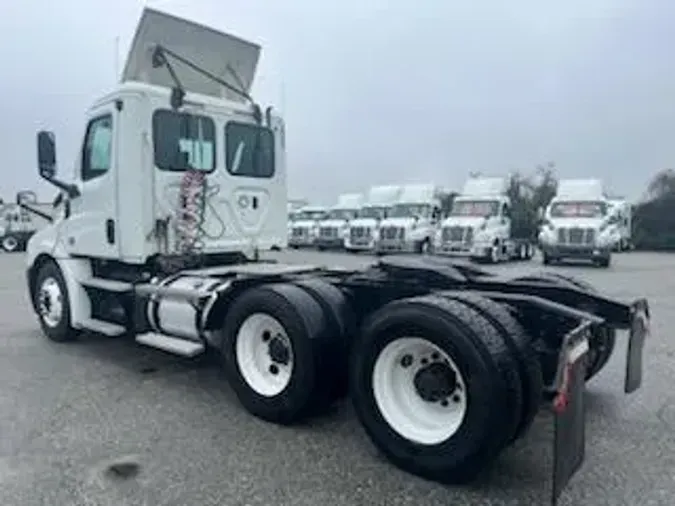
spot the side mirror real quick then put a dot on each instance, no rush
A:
(540, 213)
(46, 146)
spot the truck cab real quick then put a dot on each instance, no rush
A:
(578, 223)
(305, 227)
(413, 220)
(364, 229)
(334, 227)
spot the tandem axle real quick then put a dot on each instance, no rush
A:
(432, 351)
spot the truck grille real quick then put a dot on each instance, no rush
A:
(299, 231)
(576, 235)
(457, 234)
(328, 232)
(360, 234)
(392, 233)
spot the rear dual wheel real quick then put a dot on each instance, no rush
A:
(439, 386)
(284, 348)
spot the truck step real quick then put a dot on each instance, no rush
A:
(170, 344)
(102, 327)
(109, 285)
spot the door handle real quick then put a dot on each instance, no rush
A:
(255, 202)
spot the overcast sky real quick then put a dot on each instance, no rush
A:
(382, 91)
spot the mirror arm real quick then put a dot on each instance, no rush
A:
(70, 189)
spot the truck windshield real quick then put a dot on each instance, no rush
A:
(373, 212)
(409, 210)
(309, 215)
(578, 210)
(340, 214)
(479, 208)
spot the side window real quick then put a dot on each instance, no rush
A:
(249, 150)
(97, 150)
(183, 141)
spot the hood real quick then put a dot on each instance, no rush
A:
(577, 222)
(304, 223)
(463, 221)
(397, 222)
(363, 222)
(332, 223)
(218, 53)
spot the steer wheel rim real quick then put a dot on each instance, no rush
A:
(264, 354)
(419, 391)
(50, 302)
(9, 243)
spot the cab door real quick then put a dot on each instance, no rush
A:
(91, 229)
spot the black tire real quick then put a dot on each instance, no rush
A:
(63, 331)
(604, 262)
(308, 331)
(546, 259)
(10, 244)
(342, 323)
(480, 352)
(603, 338)
(520, 345)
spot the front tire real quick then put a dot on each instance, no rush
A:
(52, 304)
(411, 390)
(10, 244)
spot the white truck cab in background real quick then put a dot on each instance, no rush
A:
(364, 229)
(411, 224)
(623, 210)
(19, 220)
(479, 224)
(305, 226)
(578, 224)
(334, 227)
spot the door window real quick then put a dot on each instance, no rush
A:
(97, 151)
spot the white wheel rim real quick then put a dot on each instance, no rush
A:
(50, 302)
(258, 335)
(398, 400)
(9, 243)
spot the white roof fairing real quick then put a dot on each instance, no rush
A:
(209, 49)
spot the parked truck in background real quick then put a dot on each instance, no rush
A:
(334, 227)
(305, 226)
(364, 229)
(412, 222)
(482, 225)
(21, 219)
(622, 209)
(578, 224)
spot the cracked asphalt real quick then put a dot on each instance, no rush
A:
(68, 411)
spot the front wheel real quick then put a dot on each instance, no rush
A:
(10, 244)
(52, 304)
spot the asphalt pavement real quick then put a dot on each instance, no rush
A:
(108, 422)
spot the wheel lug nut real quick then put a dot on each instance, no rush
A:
(274, 369)
(266, 336)
(425, 361)
(444, 403)
(456, 398)
(406, 361)
(435, 356)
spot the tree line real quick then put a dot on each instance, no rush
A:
(653, 216)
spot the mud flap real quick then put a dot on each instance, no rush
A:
(639, 330)
(569, 411)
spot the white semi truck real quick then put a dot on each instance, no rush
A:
(305, 226)
(21, 219)
(365, 228)
(155, 243)
(334, 227)
(480, 225)
(411, 224)
(578, 224)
